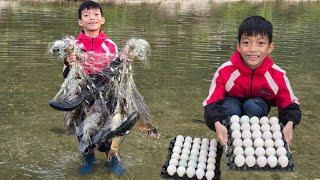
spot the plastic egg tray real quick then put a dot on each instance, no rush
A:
(230, 157)
(164, 172)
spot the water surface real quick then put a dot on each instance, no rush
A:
(189, 41)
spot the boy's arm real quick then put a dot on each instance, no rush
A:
(213, 112)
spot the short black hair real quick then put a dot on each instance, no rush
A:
(89, 5)
(255, 25)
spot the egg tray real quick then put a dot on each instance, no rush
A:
(232, 166)
(164, 173)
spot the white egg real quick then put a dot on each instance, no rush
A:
(173, 162)
(205, 141)
(255, 127)
(259, 151)
(278, 143)
(181, 170)
(195, 152)
(213, 142)
(270, 151)
(256, 134)
(272, 161)
(275, 127)
(188, 139)
(184, 157)
(197, 140)
(235, 126)
(175, 155)
(254, 120)
(268, 143)
(204, 146)
(277, 135)
(237, 142)
(244, 119)
(185, 151)
(238, 151)
(281, 151)
(200, 173)
(193, 157)
(195, 146)
(246, 134)
(249, 151)
(250, 161)
(258, 142)
(211, 160)
(236, 134)
(204, 152)
(211, 166)
(183, 163)
(213, 148)
(210, 175)
(247, 142)
(273, 120)
(212, 154)
(245, 126)
(176, 149)
(201, 165)
(180, 138)
(239, 160)
(178, 143)
(283, 161)
(187, 145)
(265, 127)
(264, 120)
(267, 135)
(235, 118)
(191, 171)
(202, 158)
(262, 161)
(192, 163)
(171, 169)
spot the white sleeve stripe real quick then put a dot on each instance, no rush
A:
(106, 49)
(115, 46)
(230, 82)
(213, 82)
(292, 96)
(271, 82)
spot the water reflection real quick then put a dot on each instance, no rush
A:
(189, 41)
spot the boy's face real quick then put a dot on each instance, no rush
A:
(91, 21)
(254, 49)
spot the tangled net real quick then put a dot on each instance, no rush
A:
(108, 103)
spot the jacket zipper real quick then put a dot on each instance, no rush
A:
(92, 42)
(251, 82)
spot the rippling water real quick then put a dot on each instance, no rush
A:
(189, 41)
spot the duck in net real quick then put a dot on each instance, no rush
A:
(103, 104)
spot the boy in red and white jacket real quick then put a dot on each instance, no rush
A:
(94, 42)
(250, 83)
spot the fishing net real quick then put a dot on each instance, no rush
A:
(104, 104)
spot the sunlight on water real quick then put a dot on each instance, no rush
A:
(189, 41)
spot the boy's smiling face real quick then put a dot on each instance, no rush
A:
(254, 49)
(91, 21)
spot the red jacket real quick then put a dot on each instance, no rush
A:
(100, 44)
(268, 82)
(104, 50)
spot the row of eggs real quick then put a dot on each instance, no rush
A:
(254, 120)
(261, 161)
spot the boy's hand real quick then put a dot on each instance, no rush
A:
(288, 132)
(72, 58)
(221, 133)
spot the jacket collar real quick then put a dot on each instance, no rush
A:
(100, 36)
(236, 60)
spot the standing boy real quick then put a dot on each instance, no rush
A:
(93, 39)
(250, 82)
